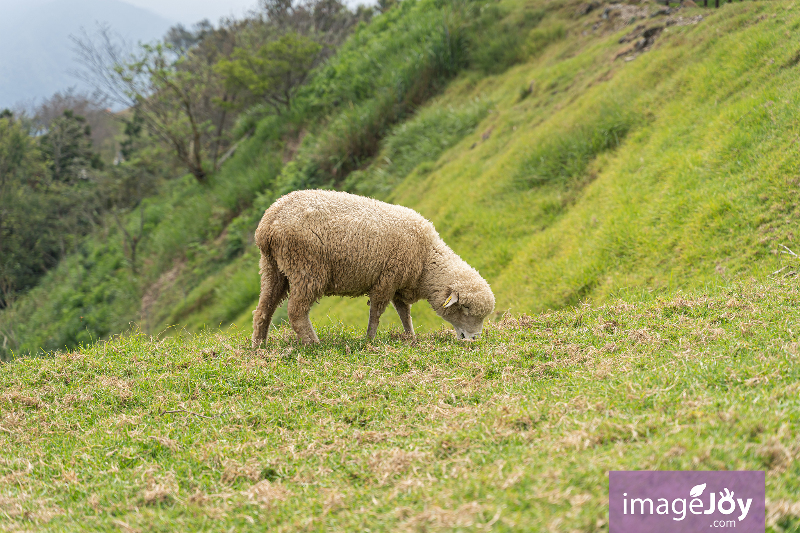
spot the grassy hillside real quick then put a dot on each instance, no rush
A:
(515, 432)
(564, 164)
(594, 174)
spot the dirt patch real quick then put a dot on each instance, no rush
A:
(650, 22)
(612, 18)
(292, 145)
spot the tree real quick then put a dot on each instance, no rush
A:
(175, 91)
(273, 72)
(67, 146)
(182, 40)
(328, 22)
(22, 169)
(94, 110)
(131, 181)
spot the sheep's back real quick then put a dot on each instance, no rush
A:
(345, 242)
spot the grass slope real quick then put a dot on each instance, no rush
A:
(594, 174)
(515, 432)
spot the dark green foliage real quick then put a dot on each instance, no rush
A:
(415, 142)
(67, 147)
(411, 53)
(46, 200)
(273, 72)
(133, 134)
(497, 42)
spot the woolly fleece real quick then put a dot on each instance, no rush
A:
(323, 243)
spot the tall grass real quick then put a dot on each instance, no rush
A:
(565, 156)
(420, 140)
(434, 51)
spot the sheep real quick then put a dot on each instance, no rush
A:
(323, 243)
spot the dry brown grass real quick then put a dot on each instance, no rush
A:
(265, 493)
(160, 488)
(233, 470)
(386, 464)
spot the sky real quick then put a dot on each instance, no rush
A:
(186, 12)
(191, 11)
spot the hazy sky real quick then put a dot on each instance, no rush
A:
(191, 11)
(184, 11)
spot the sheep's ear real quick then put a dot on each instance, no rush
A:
(451, 300)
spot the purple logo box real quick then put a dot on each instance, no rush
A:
(686, 502)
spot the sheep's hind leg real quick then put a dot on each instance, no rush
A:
(404, 311)
(299, 307)
(377, 306)
(274, 287)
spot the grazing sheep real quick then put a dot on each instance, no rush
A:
(323, 243)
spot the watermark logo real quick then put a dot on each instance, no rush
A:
(686, 502)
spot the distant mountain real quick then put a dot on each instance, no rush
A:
(36, 52)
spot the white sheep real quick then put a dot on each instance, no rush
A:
(321, 243)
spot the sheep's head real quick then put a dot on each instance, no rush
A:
(466, 309)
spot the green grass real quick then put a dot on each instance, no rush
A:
(196, 432)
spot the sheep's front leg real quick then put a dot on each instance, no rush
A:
(377, 306)
(299, 307)
(404, 311)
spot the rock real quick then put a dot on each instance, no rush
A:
(632, 35)
(585, 9)
(652, 33)
(688, 3)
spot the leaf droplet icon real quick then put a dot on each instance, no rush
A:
(697, 490)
